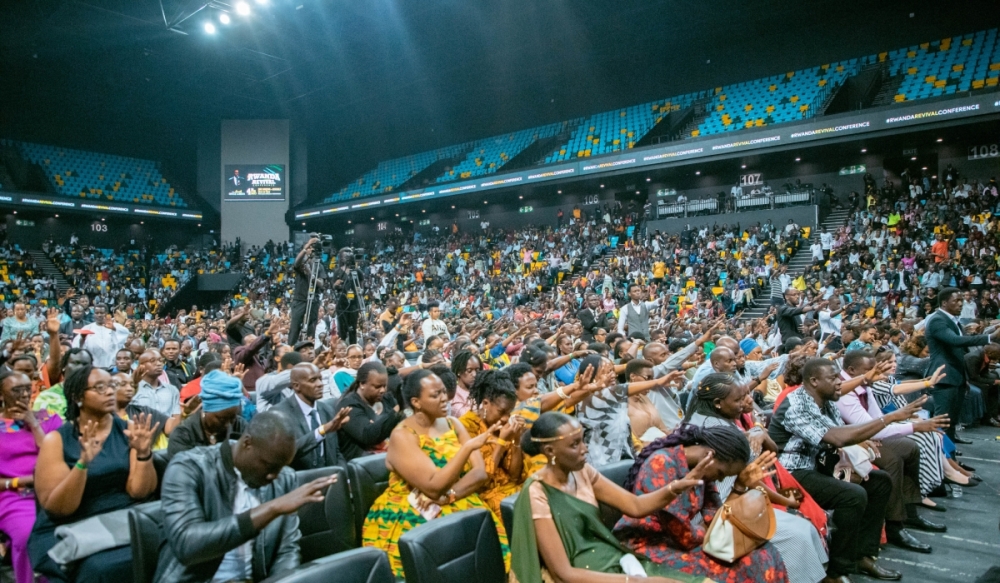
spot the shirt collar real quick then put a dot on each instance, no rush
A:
(953, 318)
(304, 407)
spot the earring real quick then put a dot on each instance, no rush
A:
(552, 461)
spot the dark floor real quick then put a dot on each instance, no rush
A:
(972, 544)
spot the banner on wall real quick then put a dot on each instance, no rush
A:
(254, 182)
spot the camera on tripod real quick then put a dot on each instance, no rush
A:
(325, 241)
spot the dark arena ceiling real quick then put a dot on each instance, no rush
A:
(368, 80)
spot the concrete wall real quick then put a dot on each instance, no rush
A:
(111, 233)
(259, 141)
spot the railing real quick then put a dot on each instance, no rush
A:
(712, 206)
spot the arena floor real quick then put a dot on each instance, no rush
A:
(972, 544)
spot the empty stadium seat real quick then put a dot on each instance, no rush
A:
(369, 478)
(457, 548)
(326, 527)
(489, 155)
(364, 565)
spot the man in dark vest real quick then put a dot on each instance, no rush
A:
(635, 314)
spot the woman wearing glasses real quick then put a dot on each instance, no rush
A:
(21, 434)
(94, 464)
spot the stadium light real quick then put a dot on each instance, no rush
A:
(224, 18)
(940, 139)
(521, 197)
(744, 166)
(863, 150)
(243, 9)
(697, 173)
(209, 28)
(914, 158)
(798, 159)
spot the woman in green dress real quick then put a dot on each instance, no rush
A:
(558, 533)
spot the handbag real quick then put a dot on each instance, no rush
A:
(743, 524)
(854, 461)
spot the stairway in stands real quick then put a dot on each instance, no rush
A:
(797, 264)
(50, 270)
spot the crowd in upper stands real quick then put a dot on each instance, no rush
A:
(583, 363)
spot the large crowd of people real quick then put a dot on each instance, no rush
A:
(498, 362)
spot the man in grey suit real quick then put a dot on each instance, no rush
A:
(948, 346)
(314, 422)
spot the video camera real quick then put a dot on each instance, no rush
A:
(325, 241)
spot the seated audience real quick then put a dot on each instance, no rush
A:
(493, 398)
(217, 420)
(673, 535)
(428, 455)
(313, 422)
(153, 391)
(21, 434)
(373, 413)
(94, 464)
(560, 535)
(53, 399)
(807, 430)
(720, 401)
(229, 510)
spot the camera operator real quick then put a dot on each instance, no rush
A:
(348, 302)
(300, 295)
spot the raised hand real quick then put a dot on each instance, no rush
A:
(758, 469)
(306, 494)
(480, 440)
(694, 477)
(90, 443)
(342, 416)
(513, 428)
(937, 377)
(670, 378)
(932, 424)
(140, 434)
(906, 412)
(52, 321)
(192, 405)
(239, 371)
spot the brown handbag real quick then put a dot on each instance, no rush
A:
(744, 523)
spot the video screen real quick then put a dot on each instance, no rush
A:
(254, 182)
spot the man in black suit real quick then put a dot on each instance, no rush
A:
(314, 422)
(948, 346)
(790, 315)
(591, 317)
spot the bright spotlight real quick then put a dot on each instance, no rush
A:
(243, 9)
(262, 2)
(224, 18)
(209, 28)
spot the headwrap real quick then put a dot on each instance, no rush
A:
(213, 337)
(220, 391)
(747, 345)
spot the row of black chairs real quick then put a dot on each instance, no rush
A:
(453, 549)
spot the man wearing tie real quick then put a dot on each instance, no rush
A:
(948, 346)
(314, 422)
(591, 318)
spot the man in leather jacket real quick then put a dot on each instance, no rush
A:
(229, 510)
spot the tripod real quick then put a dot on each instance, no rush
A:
(362, 307)
(314, 266)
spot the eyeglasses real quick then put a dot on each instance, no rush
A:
(355, 356)
(120, 384)
(101, 388)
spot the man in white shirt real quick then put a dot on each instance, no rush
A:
(636, 313)
(433, 326)
(826, 241)
(105, 339)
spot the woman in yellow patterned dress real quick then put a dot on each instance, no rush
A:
(433, 463)
(493, 399)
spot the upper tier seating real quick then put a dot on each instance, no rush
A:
(391, 173)
(102, 177)
(772, 100)
(946, 66)
(942, 67)
(616, 130)
(489, 155)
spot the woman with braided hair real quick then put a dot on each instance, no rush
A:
(720, 401)
(673, 535)
(560, 534)
(493, 398)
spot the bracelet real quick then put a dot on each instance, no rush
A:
(321, 429)
(13, 483)
(6, 486)
(80, 465)
(502, 442)
(148, 457)
(452, 495)
(562, 394)
(927, 383)
(882, 419)
(670, 488)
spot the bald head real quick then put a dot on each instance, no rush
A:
(655, 352)
(151, 364)
(307, 382)
(723, 359)
(728, 342)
